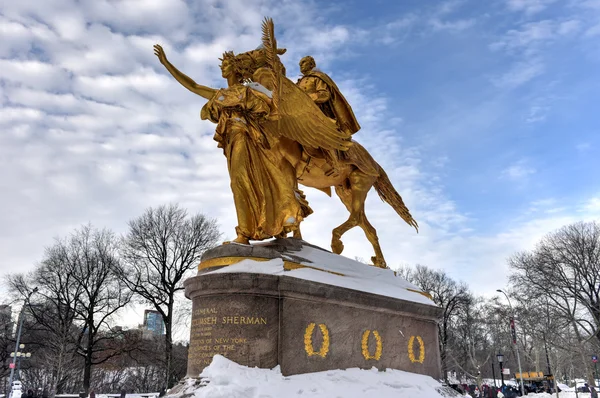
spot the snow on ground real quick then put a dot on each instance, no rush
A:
(562, 394)
(226, 379)
(147, 395)
(333, 269)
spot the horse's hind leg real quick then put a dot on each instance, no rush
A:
(354, 198)
(371, 234)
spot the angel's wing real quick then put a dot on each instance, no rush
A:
(298, 117)
(301, 120)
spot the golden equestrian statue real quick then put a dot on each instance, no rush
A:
(274, 136)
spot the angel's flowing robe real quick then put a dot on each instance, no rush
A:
(264, 186)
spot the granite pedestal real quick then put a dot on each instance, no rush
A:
(265, 319)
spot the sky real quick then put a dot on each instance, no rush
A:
(484, 114)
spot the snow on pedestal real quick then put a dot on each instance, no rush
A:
(319, 265)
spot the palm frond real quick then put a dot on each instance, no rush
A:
(270, 44)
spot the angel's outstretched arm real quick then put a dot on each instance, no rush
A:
(184, 80)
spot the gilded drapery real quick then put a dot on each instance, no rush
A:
(266, 200)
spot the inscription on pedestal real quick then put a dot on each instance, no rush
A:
(242, 329)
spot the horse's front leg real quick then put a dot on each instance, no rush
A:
(345, 195)
(337, 246)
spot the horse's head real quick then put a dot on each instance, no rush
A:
(250, 61)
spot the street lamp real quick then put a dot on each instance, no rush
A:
(514, 339)
(20, 355)
(20, 321)
(493, 374)
(501, 361)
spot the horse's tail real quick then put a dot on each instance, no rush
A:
(389, 195)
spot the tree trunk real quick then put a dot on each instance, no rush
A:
(87, 370)
(57, 376)
(589, 375)
(87, 373)
(169, 344)
(443, 348)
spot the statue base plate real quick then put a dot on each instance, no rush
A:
(286, 318)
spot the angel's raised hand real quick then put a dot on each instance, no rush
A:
(160, 53)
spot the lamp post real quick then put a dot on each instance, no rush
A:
(514, 339)
(501, 361)
(20, 355)
(493, 373)
(595, 360)
(18, 339)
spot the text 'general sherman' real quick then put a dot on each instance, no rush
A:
(234, 320)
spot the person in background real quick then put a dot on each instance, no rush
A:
(593, 392)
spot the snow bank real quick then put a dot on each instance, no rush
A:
(562, 394)
(226, 379)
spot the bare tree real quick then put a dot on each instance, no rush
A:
(92, 257)
(53, 308)
(446, 293)
(79, 292)
(564, 270)
(160, 249)
(6, 342)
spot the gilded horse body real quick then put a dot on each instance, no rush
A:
(356, 172)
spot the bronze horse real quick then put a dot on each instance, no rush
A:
(357, 171)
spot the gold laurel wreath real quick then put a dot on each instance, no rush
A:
(308, 345)
(365, 345)
(411, 351)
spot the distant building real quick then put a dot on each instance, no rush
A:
(5, 320)
(153, 321)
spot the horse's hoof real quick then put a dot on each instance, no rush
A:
(242, 240)
(378, 262)
(337, 247)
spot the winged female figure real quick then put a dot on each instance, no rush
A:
(267, 199)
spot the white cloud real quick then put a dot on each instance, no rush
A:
(593, 31)
(531, 44)
(519, 74)
(456, 25)
(533, 35)
(583, 146)
(537, 114)
(593, 4)
(529, 7)
(592, 205)
(439, 20)
(34, 74)
(569, 27)
(518, 171)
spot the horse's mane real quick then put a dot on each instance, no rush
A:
(250, 61)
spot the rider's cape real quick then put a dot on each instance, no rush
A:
(341, 108)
